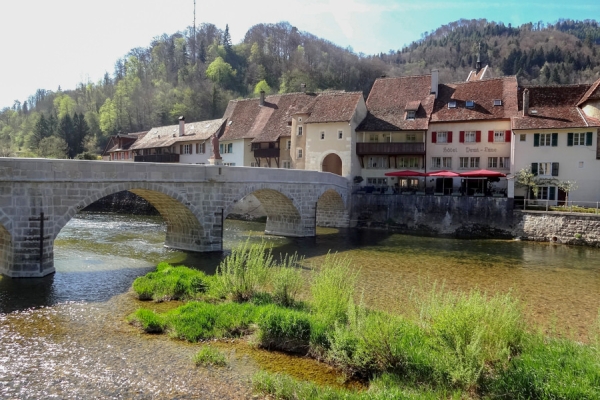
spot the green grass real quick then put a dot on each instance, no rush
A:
(171, 283)
(284, 329)
(209, 356)
(148, 321)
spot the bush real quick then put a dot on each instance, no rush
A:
(333, 288)
(148, 320)
(284, 329)
(286, 281)
(244, 271)
(209, 356)
(170, 283)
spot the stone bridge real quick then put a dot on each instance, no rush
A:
(38, 197)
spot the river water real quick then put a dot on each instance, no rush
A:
(65, 336)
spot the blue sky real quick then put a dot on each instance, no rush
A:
(47, 43)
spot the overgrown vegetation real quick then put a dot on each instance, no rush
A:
(458, 344)
(170, 283)
(209, 356)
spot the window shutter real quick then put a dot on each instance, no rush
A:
(536, 140)
(433, 137)
(478, 136)
(554, 139)
(588, 138)
(552, 193)
(490, 136)
(507, 136)
(554, 169)
(534, 168)
(450, 137)
(570, 139)
(461, 136)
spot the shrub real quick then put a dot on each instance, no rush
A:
(170, 283)
(209, 356)
(284, 329)
(244, 271)
(148, 320)
(333, 288)
(286, 281)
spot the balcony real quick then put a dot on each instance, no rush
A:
(266, 153)
(158, 158)
(392, 149)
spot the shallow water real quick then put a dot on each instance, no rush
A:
(65, 336)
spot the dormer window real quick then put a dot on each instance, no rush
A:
(470, 103)
(497, 102)
(411, 114)
(299, 119)
(452, 104)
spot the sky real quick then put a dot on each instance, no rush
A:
(50, 43)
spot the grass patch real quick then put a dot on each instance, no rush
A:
(209, 356)
(148, 321)
(284, 329)
(171, 283)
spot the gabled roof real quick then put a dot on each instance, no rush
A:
(121, 141)
(482, 93)
(593, 93)
(335, 106)
(391, 97)
(483, 73)
(554, 107)
(165, 136)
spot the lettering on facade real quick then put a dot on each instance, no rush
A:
(450, 150)
(490, 150)
(477, 150)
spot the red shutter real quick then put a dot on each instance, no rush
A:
(491, 136)
(433, 137)
(461, 136)
(507, 136)
(450, 137)
(478, 136)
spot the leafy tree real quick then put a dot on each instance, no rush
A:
(66, 131)
(108, 118)
(525, 178)
(262, 86)
(53, 147)
(567, 187)
(220, 72)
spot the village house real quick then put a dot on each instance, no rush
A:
(557, 139)
(118, 147)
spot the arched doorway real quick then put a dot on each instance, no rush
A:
(332, 163)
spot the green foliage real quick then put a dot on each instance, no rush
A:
(148, 321)
(170, 283)
(209, 356)
(284, 329)
(286, 280)
(262, 86)
(244, 271)
(53, 147)
(333, 287)
(220, 71)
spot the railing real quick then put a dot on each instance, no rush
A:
(367, 148)
(586, 207)
(158, 158)
(265, 153)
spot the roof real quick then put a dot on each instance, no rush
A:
(391, 97)
(166, 136)
(482, 93)
(555, 107)
(483, 73)
(332, 107)
(593, 93)
(122, 142)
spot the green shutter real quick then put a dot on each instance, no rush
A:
(536, 140)
(554, 139)
(588, 138)
(534, 168)
(554, 169)
(552, 193)
(570, 139)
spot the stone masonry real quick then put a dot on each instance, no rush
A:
(192, 199)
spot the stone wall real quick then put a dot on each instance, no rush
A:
(567, 228)
(457, 216)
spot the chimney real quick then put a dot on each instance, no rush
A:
(434, 82)
(181, 126)
(525, 102)
(262, 98)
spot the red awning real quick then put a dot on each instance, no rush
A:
(405, 173)
(443, 174)
(482, 173)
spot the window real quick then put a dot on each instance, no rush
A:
(464, 162)
(373, 137)
(340, 134)
(299, 119)
(186, 149)
(253, 164)
(322, 135)
(411, 137)
(377, 181)
(225, 148)
(408, 162)
(447, 162)
(299, 131)
(229, 164)
(452, 104)
(121, 156)
(580, 164)
(442, 137)
(492, 162)
(470, 137)
(288, 144)
(200, 148)
(377, 162)
(411, 114)
(522, 137)
(546, 193)
(287, 164)
(498, 136)
(497, 102)
(474, 162)
(545, 139)
(299, 153)
(470, 103)
(544, 168)
(579, 139)
(436, 162)
(504, 162)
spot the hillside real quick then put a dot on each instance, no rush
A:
(197, 74)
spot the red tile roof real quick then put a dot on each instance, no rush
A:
(166, 136)
(553, 107)
(391, 97)
(483, 93)
(332, 107)
(593, 93)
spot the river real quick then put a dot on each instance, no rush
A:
(64, 336)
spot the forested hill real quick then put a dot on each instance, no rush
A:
(196, 76)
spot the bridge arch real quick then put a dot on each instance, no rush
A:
(331, 209)
(184, 228)
(5, 249)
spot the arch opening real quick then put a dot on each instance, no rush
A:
(332, 163)
(5, 250)
(331, 211)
